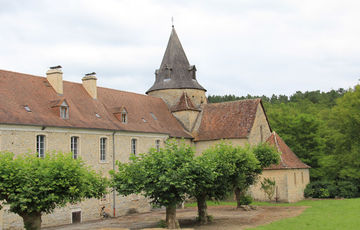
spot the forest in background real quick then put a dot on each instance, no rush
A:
(322, 129)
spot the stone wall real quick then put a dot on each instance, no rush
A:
(187, 118)
(287, 190)
(22, 139)
(172, 96)
(201, 146)
(260, 130)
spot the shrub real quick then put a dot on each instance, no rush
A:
(320, 189)
(331, 189)
(347, 189)
(268, 186)
(246, 200)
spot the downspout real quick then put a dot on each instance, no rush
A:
(114, 192)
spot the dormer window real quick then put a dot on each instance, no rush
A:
(60, 108)
(121, 114)
(124, 116)
(64, 110)
(192, 70)
(168, 72)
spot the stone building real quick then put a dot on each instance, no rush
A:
(101, 125)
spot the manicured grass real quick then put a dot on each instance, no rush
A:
(321, 214)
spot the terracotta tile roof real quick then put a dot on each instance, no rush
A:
(288, 158)
(227, 120)
(184, 103)
(18, 90)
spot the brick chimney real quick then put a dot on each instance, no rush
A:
(55, 77)
(89, 83)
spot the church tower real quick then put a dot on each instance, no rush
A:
(176, 84)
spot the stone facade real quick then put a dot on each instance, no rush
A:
(290, 184)
(171, 96)
(187, 118)
(260, 130)
(22, 139)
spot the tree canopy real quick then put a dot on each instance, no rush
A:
(31, 185)
(163, 176)
(322, 128)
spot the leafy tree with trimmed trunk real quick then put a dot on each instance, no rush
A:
(32, 186)
(205, 175)
(248, 173)
(163, 176)
(225, 168)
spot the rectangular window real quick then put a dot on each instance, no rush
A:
(64, 112)
(40, 145)
(133, 146)
(123, 118)
(75, 147)
(295, 178)
(157, 145)
(102, 149)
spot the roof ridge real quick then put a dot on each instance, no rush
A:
(72, 82)
(278, 148)
(240, 100)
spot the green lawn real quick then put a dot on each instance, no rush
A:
(322, 214)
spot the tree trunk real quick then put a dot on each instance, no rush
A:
(202, 209)
(171, 221)
(238, 195)
(32, 221)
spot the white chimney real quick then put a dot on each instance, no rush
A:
(55, 77)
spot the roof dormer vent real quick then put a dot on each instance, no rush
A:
(27, 108)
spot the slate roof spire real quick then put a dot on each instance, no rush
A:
(175, 71)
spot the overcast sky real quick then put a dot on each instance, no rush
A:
(238, 46)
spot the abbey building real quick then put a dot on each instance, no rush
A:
(101, 125)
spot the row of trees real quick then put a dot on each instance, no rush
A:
(32, 186)
(322, 128)
(169, 176)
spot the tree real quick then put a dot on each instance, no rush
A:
(234, 168)
(33, 186)
(163, 176)
(210, 176)
(266, 155)
(343, 140)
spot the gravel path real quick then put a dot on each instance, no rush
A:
(225, 217)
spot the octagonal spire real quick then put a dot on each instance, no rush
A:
(175, 72)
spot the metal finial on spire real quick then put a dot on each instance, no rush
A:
(172, 22)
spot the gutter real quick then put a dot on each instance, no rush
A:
(114, 192)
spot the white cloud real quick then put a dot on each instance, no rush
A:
(239, 47)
